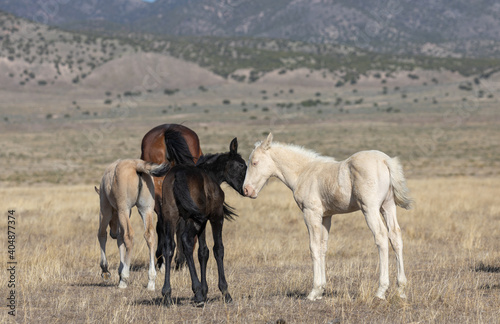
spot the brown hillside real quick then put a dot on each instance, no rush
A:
(149, 71)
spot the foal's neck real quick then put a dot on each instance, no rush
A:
(213, 169)
(289, 163)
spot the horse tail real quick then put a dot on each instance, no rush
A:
(156, 170)
(229, 212)
(177, 148)
(398, 182)
(183, 198)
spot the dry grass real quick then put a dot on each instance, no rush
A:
(445, 139)
(450, 156)
(451, 250)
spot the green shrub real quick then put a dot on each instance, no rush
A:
(310, 103)
(170, 92)
(466, 86)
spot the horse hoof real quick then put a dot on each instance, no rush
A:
(379, 302)
(315, 295)
(199, 300)
(402, 295)
(199, 304)
(122, 284)
(167, 301)
(106, 276)
(228, 299)
(151, 286)
(179, 265)
(313, 298)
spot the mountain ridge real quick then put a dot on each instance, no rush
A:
(37, 56)
(427, 27)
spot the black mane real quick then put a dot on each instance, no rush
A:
(214, 164)
(208, 158)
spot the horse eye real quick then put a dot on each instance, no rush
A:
(254, 163)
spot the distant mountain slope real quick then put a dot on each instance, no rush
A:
(430, 27)
(152, 72)
(36, 55)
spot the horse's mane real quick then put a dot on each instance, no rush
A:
(208, 158)
(301, 150)
(177, 148)
(207, 163)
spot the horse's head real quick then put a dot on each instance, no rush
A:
(260, 168)
(235, 168)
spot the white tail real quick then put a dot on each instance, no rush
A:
(398, 182)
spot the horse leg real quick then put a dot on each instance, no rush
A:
(105, 215)
(203, 254)
(158, 198)
(379, 231)
(113, 225)
(388, 210)
(180, 259)
(167, 250)
(125, 243)
(314, 225)
(192, 229)
(219, 257)
(325, 230)
(149, 236)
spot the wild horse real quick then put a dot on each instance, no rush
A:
(125, 184)
(369, 181)
(176, 144)
(194, 194)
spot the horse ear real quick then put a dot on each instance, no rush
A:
(233, 147)
(267, 143)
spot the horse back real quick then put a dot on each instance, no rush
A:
(342, 187)
(153, 147)
(368, 167)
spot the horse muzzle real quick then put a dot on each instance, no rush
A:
(249, 191)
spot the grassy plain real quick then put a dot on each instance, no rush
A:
(55, 148)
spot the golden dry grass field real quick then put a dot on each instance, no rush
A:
(450, 154)
(451, 253)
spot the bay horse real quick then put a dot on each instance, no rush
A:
(176, 144)
(125, 184)
(193, 193)
(369, 181)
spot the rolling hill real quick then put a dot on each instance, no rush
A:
(428, 27)
(38, 56)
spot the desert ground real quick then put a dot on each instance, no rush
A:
(57, 142)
